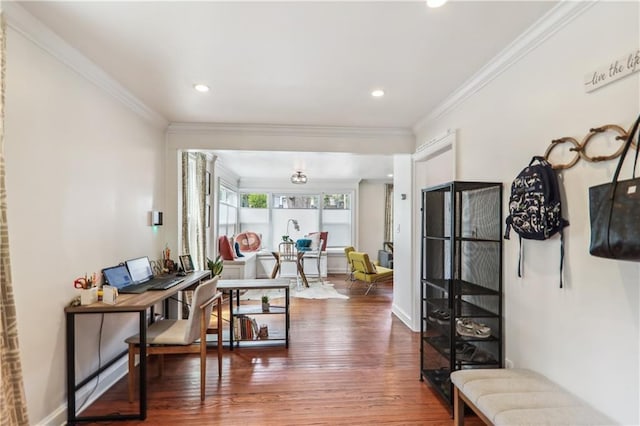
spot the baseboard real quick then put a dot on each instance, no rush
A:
(402, 316)
(107, 379)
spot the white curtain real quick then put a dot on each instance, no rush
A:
(194, 208)
(13, 403)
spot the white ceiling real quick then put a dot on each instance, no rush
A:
(291, 63)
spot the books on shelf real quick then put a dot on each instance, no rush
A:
(245, 328)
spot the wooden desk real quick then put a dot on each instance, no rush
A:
(127, 303)
(235, 286)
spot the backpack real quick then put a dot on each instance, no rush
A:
(535, 211)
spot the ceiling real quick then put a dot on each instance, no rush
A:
(291, 63)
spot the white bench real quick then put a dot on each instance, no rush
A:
(241, 268)
(517, 397)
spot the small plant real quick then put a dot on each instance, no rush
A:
(265, 303)
(215, 266)
(265, 299)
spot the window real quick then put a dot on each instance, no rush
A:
(254, 215)
(270, 214)
(337, 218)
(228, 211)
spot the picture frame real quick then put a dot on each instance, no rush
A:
(186, 262)
(208, 184)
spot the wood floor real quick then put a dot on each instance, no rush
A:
(349, 362)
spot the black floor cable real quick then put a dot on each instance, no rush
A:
(82, 405)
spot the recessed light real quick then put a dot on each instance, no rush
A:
(378, 93)
(201, 87)
(390, 175)
(435, 3)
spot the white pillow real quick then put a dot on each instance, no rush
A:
(315, 240)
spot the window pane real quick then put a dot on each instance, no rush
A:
(281, 201)
(254, 201)
(337, 201)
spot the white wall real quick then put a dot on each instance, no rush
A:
(83, 173)
(371, 218)
(403, 233)
(585, 336)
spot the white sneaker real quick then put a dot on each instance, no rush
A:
(469, 328)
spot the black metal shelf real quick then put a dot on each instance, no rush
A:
(461, 237)
(462, 288)
(463, 309)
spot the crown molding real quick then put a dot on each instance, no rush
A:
(290, 130)
(555, 19)
(31, 28)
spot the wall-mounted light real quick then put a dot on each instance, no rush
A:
(156, 218)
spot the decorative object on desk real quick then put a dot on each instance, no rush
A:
(168, 265)
(614, 209)
(265, 303)
(296, 226)
(187, 263)
(215, 266)
(109, 294)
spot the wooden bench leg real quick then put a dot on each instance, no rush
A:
(458, 408)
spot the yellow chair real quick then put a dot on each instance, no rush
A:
(364, 270)
(348, 250)
(182, 336)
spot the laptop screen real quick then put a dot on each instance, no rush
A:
(139, 269)
(117, 276)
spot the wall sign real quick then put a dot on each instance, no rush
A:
(618, 68)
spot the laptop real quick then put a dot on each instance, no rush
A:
(141, 273)
(119, 277)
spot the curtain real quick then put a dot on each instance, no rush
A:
(194, 207)
(13, 404)
(388, 212)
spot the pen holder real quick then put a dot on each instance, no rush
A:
(89, 296)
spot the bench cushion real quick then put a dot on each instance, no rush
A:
(519, 396)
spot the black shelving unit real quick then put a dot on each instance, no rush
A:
(461, 279)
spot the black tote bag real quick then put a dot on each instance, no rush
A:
(614, 209)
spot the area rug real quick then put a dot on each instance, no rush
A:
(316, 290)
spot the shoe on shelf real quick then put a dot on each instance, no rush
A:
(471, 353)
(468, 328)
(439, 316)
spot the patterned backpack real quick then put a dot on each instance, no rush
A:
(535, 211)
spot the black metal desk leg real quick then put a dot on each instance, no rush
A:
(286, 315)
(231, 320)
(143, 365)
(71, 369)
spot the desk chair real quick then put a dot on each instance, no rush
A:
(364, 270)
(317, 255)
(287, 253)
(182, 336)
